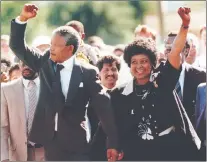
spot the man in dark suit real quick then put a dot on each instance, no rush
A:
(190, 77)
(64, 94)
(109, 67)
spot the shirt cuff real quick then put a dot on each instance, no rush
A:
(20, 22)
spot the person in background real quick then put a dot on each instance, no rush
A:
(85, 52)
(5, 50)
(109, 66)
(202, 36)
(18, 103)
(5, 65)
(149, 118)
(99, 43)
(41, 43)
(202, 50)
(14, 72)
(144, 31)
(119, 50)
(190, 76)
(192, 50)
(200, 118)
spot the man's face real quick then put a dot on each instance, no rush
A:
(191, 54)
(109, 75)
(59, 52)
(15, 74)
(168, 45)
(27, 72)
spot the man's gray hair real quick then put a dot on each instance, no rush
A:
(70, 35)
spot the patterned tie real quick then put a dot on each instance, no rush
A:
(178, 90)
(32, 104)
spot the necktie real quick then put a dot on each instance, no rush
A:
(178, 90)
(56, 82)
(32, 104)
(57, 89)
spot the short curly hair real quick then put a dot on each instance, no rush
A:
(142, 45)
(108, 59)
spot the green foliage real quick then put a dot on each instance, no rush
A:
(9, 10)
(114, 21)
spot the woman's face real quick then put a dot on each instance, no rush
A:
(141, 68)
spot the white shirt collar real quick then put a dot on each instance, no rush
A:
(26, 82)
(68, 64)
(128, 88)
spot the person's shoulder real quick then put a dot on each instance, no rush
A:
(10, 84)
(195, 68)
(202, 85)
(119, 89)
(86, 66)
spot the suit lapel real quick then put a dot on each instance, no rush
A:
(19, 89)
(49, 73)
(76, 78)
(186, 83)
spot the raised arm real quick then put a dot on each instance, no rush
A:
(179, 42)
(17, 43)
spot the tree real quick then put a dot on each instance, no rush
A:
(10, 10)
(113, 21)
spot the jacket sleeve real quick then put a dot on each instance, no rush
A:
(4, 127)
(101, 103)
(29, 56)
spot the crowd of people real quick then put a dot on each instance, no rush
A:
(63, 99)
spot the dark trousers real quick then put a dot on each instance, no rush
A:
(53, 152)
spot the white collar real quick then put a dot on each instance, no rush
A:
(128, 89)
(26, 82)
(68, 64)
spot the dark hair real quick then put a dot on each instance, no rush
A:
(108, 59)
(175, 33)
(70, 35)
(6, 61)
(77, 25)
(172, 34)
(14, 67)
(142, 45)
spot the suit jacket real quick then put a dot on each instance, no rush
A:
(200, 111)
(71, 136)
(193, 77)
(13, 122)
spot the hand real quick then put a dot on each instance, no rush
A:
(112, 155)
(4, 77)
(184, 15)
(29, 11)
(120, 155)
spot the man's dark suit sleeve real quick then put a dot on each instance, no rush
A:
(30, 57)
(101, 103)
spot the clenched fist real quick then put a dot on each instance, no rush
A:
(29, 11)
(184, 15)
